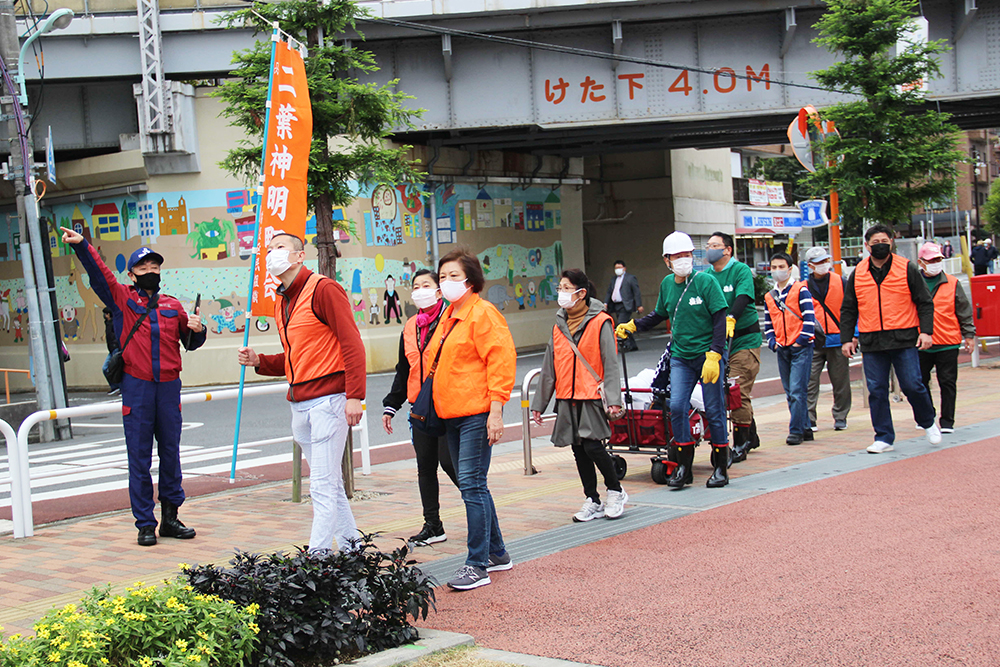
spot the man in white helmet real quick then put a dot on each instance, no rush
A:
(696, 307)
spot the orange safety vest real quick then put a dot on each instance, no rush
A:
(787, 325)
(312, 351)
(886, 306)
(573, 380)
(834, 300)
(947, 330)
(420, 363)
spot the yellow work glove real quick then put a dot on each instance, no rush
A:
(730, 326)
(623, 330)
(710, 370)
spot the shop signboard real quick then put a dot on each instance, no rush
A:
(769, 221)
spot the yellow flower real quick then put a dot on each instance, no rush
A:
(203, 634)
(109, 621)
(146, 661)
(54, 656)
(194, 657)
(181, 644)
(253, 608)
(42, 632)
(183, 566)
(104, 661)
(253, 628)
(75, 663)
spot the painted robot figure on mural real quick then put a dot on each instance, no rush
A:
(151, 385)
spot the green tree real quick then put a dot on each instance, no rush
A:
(991, 209)
(352, 121)
(894, 151)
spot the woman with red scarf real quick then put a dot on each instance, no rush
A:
(411, 370)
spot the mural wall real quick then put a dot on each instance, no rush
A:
(205, 237)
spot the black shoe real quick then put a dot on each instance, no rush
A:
(794, 439)
(429, 534)
(741, 443)
(754, 438)
(720, 476)
(170, 525)
(147, 536)
(682, 473)
(839, 424)
(807, 436)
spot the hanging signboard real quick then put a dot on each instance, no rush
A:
(814, 213)
(758, 192)
(286, 167)
(775, 193)
(751, 220)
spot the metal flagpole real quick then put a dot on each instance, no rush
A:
(253, 252)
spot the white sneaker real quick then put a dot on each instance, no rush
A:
(933, 434)
(616, 504)
(589, 512)
(948, 429)
(879, 447)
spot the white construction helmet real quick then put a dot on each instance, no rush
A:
(677, 242)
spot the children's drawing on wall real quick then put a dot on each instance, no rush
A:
(229, 318)
(90, 311)
(373, 307)
(5, 309)
(531, 293)
(70, 324)
(391, 301)
(498, 296)
(211, 239)
(383, 225)
(357, 301)
(519, 295)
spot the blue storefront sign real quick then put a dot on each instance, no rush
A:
(763, 221)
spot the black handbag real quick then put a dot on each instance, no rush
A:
(423, 416)
(116, 364)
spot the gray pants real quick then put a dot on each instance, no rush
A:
(838, 368)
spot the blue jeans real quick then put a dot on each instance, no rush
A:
(906, 362)
(795, 367)
(470, 454)
(104, 369)
(684, 375)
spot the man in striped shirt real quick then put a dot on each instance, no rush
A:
(789, 325)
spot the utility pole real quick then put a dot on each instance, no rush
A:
(49, 388)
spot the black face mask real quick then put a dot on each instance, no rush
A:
(148, 281)
(880, 250)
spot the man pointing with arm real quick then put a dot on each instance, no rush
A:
(151, 386)
(324, 361)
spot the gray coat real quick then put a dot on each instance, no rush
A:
(580, 419)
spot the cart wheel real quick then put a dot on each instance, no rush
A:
(659, 472)
(621, 466)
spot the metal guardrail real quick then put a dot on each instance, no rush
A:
(17, 445)
(6, 379)
(529, 469)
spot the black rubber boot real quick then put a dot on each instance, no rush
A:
(682, 473)
(741, 443)
(147, 536)
(754, 438)
(720, 476)
(170, 525)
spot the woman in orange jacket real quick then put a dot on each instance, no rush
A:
(473, 380)
(411, 370)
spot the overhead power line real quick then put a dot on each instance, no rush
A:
(588, 53)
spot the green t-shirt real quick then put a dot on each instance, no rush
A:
(692, 328)
(737, 279)
(932, 282)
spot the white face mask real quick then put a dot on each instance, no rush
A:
(277, 262)
(780, 275)
(822, 269)
(933, 269)
(425, 297)
(682, 266)
(619, 272)
(566, 300)
(453, 290)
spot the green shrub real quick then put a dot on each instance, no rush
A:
(328, 606)
(172, 625)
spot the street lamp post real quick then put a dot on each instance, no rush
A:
(46, 351)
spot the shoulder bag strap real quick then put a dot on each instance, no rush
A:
(822, 302)
(138, 323)
(781, 304)
(582, 359)
(437, 357)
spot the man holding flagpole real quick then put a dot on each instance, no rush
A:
(324, 361)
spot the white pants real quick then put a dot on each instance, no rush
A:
(320, 427)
